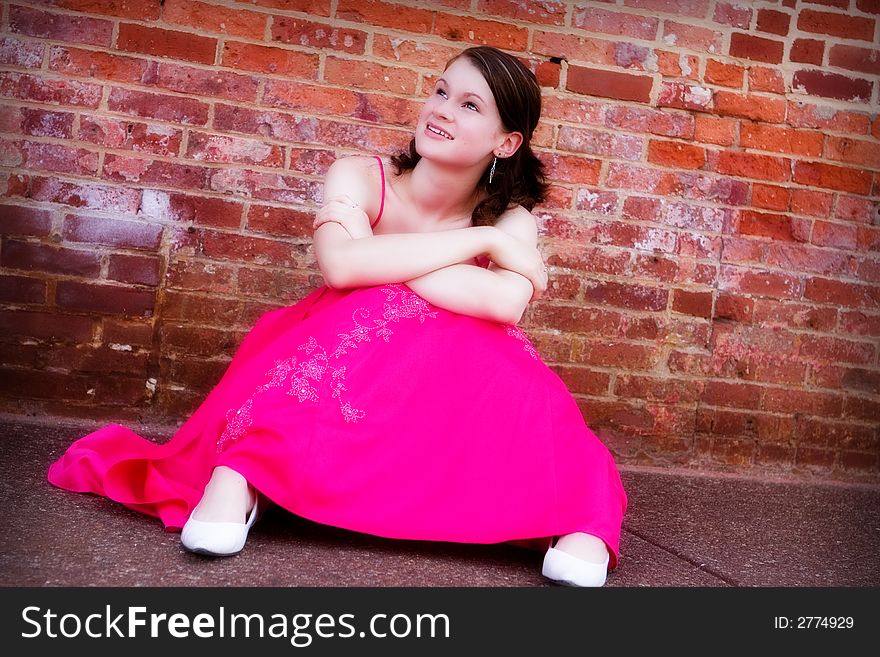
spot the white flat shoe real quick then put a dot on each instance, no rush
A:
(567, 569)
(218, 539)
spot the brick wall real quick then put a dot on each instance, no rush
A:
(713, 230)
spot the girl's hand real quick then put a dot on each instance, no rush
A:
(508, 252)
(345, 211)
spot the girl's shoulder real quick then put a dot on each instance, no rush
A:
(359, 177)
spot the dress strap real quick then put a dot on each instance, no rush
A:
(382, 204)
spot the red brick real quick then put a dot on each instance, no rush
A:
(700, 39)
(166, 43)
(59, 92)
(631, 296)
(809, 202)
(685, 96)
(25, 54)
(158, 106)
(855, 59)
(839, 25)
(213, 18)
(841, 293)
(595, 201)
(280, 221)
(857, 209)
(855, 151)
(594, 19)
(199, 82)
(140, 270)
(627, 355)
(541, 13)
(21, 289)
(858, 323)
(807, 51)
(773, 22)
(128, 333)
(201, 276)
(805, 258)
(793, 315)
(318, 35)
(726, 75)
(599, 142)
(314, 7)
(264, 186)
(220, 148)
(746, 46)
(96, 197)
(712, 130)
(398, 17)
(832, 85)
(112, 232)
(23, 220)
(693, 8)
(807, 115)
(369, 75)
(836, 350)
(41, 257)
(750, 165)
(147, 10)
(773, 226)
(771, 197)
(868, 6)
(781, 140)
(762, 78)
(573, 170)
(756, 108)
(691, 302)
(649, 121)
(121, 168)
(42, 123)
(265, 59)
(245, 248)
(311, 161)
(676, 154)
(197, 340)
(142, 137)
(826, 233)
(734, 15)
(414, 52)
(45, 325)
(111, 299)
(608, 84)
(202, 309)
(486, 33)
(187, 208)
(60, 27)
(93, 64)
(739, 395)
(818, 174)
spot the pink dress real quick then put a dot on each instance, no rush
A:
(376, 411)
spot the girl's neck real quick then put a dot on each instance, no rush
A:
(442, 194)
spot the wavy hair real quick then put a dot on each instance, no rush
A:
(518, 179)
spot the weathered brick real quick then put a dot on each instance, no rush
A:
(854, 151)
(734, 15)
(41, 257)
(280, 221)
(746, 46)
(841, 236)
(318, 35)
(773, 226)
(676, 154)
(94, 197)
(120, 168)
(609, 84)
(480, 32)
(141, 137)
(594, 19)
(842, 293)
(677, 65)
(857, 209)
(839, 25)
(396, 16)
(807, 51)
(763, 78)
(94, 64)
(42, 123)
(829, 176)
(413, 52)
(201, 276)
(59, 158)
(112, 232)
(372, 76)
(147, 10)
(692, 37)
(801, 256)
(808, 115)
(832, 85)
(25, 54)
(572, 169)
(111, 299)
(221, 148)
(212, 17)
(751, 165)
(58, 92)
(685, 96)
(166, 43)
(836, 350)
(747, 280)
(266, 59)
(693, 8)
(650, 121)
(60, 27)
(158, 106)
(600, 142)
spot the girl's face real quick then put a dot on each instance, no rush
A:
(459, 123)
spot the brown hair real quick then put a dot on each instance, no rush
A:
(517, 179)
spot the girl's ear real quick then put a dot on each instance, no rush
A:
(512, 141)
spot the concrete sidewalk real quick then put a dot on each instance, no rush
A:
(681, 529)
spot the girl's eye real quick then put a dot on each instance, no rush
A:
(440, 91)
(471, 105)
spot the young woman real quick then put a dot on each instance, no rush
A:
(400, 399)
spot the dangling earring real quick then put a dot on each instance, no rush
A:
(492, 170)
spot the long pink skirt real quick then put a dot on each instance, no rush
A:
(376, 411)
